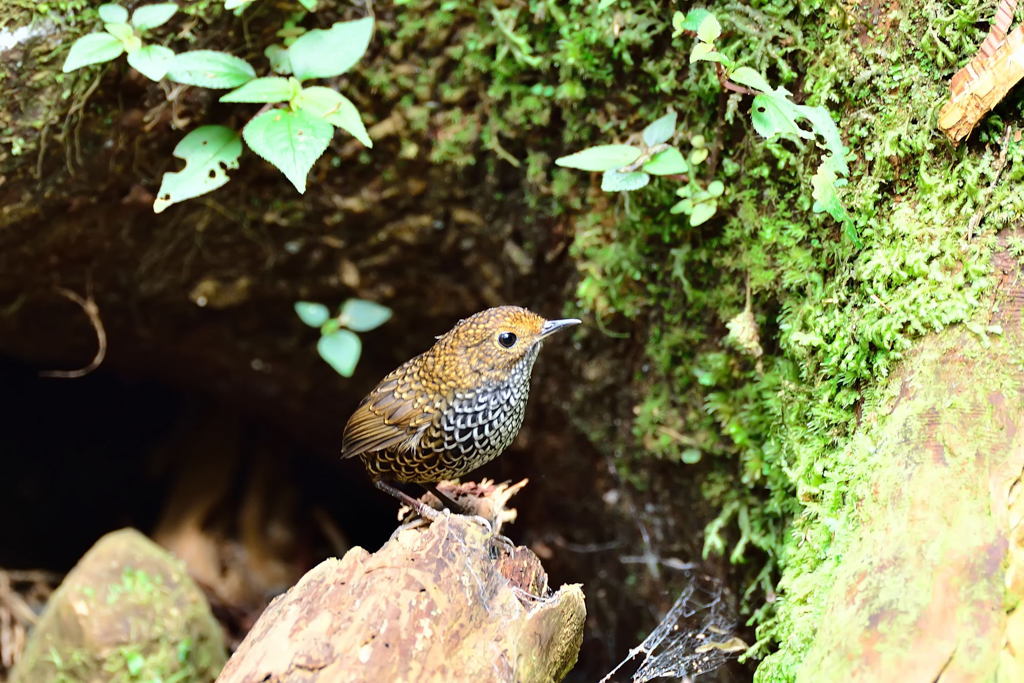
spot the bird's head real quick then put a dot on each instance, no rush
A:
(494, 341)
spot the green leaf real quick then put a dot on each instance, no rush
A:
(613, 181)
(122, 32)
(716, 188)
(682, 206)
(209, 152)
(150, 16)
(311, 313)
(335, 108)
(323, 53)
(823, 125)
(667, 162)
(290, 140)
(310, 5)
(151, 61)
(825, 183)
(210, 69)
(601, 158)
(694, 19)
(93, 48)
(341, 350)
(362, 316)
(660, 130)
(279, 60)
(235, 4)
(702, 212)
(704, 52)
(744, 75)
(698, 155)
(709, 29)
(774, 114)
(267, 89)
(678, 24)
(112, 13)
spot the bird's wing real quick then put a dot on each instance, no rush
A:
(393, 415)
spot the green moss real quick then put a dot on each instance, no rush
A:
(833, 319)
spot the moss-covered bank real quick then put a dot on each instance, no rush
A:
(469, 95)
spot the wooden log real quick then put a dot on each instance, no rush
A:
(448, 601)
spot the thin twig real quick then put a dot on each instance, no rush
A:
(89, 306)
(729, 85)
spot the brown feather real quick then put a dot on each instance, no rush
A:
(391, 416)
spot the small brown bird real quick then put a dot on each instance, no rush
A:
(452, 408)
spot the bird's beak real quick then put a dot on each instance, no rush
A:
(552, 326)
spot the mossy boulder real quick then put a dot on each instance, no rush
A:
(128, 611)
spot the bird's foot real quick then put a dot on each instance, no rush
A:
(421, 508)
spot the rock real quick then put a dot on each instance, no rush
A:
(127, 611)
(447, 602)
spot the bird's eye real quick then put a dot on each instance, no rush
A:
(507, 339)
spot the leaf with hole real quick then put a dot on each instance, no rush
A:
(362, 315)
(324, 53)
(825, 183)
(341, 350)
(112, 13)
(774, 114)
(151, 61)
(150, 16)
(335, 108)
(601, 158)
(93, 48)
(210, 69)
(290, 140)
(613, 181)
(312, 313)
(667, 162)
(660, 130)
(209, 153)
(266, 89)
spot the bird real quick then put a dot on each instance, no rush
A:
(452, 408)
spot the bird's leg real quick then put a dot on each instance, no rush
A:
(445, 500)
(421, 508)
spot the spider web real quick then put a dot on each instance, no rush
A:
(694, 638)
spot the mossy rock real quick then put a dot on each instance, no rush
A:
(128, 611)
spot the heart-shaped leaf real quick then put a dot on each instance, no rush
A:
(290, 140)
(341, 350)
